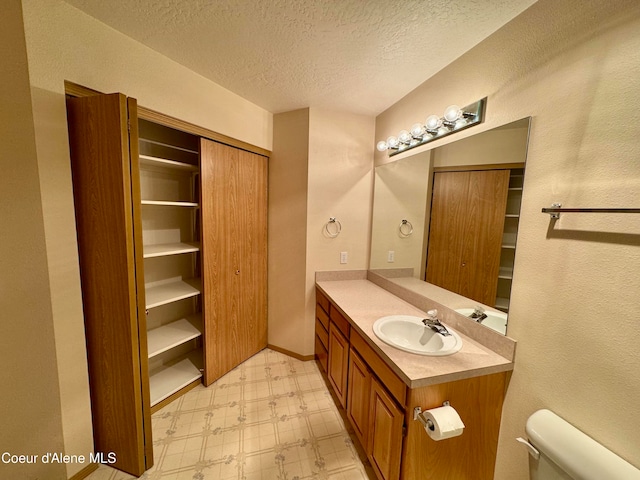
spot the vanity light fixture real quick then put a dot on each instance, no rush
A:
(453, 120)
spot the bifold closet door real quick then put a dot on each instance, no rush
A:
(465, 234)
(105, 186)
(234, 249)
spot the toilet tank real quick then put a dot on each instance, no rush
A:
(568, 454)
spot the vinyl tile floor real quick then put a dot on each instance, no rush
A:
(271, 418)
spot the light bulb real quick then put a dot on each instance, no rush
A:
(417, 131)
(433, 123)
(392, 142)
(381, 146)
(404, 137)
(452, 113)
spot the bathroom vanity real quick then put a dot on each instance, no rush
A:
(379, 386)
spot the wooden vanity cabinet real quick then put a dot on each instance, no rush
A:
(322, 330)
(386, 422)
(358, 392)
(338, 354)
(379, 406)
(376, 418)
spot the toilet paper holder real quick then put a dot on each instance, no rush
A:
(417, 415)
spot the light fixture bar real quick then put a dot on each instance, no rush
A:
(454, 120)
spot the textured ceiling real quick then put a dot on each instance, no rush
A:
(358, 56)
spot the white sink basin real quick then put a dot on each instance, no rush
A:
(408, 333)
(495, 320)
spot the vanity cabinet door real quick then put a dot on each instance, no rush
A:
(338, 363)
(385, 433)
(358, 396)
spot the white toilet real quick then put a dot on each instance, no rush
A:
(562, 452)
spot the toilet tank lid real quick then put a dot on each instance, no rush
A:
(574, 452)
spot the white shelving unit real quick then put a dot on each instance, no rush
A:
(512, 219)
(169, 203)
(168, 178)
(171, 291)
(172, 379)
(166, 249)
(171, 335)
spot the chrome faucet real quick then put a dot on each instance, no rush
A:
(434, 324)
(478, 314)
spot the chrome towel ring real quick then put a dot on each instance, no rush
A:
(335, 230)
(405, 228)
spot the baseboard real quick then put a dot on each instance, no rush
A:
(297, 356)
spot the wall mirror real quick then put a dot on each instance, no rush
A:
(445, 221)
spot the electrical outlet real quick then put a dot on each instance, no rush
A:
(343, 257)
(391, 257)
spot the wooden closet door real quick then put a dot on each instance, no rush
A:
(465, 235)
(234, 249)
(448, 224)
(482, 240)
(103, 158)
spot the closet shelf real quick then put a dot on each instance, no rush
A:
(173, 334)
(171, 379)
(502, 304)
(167, 145)
(165, 249)
(169, 203)
(506, 273)
(161, 293)
(149, 161)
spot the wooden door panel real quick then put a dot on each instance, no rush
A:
(447, 225)
(358, 397)
(385, 433)
(465, 235)
(234, 212)
(102, 188)
(252, 171)
(338, 363)
(487, 201)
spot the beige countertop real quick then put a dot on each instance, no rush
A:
(363, 302)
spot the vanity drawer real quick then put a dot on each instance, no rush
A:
(322, 317)
(322, 300)
(339, 320)
(388, 378)
(322, 334)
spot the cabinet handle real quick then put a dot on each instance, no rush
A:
(237, 272)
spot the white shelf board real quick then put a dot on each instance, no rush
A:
(169, 203)
(173, 334)
(171, 291)
(165, 249)
(171, 379)
(506, 272)
(502, 303)
(147, 160)
(163, 144)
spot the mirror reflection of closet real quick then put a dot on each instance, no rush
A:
(404, 189)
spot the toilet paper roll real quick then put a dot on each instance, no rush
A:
(443, 422)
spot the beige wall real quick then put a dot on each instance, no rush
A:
(288, 172)
(321, 167)
(401, 191)
(500, 145)
(574, 67)
(340, 181)
(30, 398)
(65, 44)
